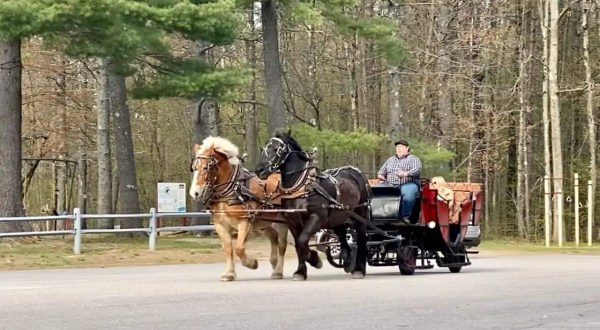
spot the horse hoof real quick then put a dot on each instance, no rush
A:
(252, 265)
(227, 278)
(299, 277)
(319, 264)
(358, 275)
(276, 276)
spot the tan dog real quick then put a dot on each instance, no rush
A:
(444, 192)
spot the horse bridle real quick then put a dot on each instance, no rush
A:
(282, 152)
(206, 172)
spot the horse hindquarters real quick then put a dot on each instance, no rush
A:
(360, 226)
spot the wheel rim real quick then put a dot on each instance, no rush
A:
(334, 249)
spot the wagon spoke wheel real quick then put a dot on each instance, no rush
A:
(333, 253)
(407, 260)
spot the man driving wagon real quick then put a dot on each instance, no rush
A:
(403, 171)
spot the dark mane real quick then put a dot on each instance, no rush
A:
(287, 138)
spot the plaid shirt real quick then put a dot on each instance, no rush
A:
(408, 163)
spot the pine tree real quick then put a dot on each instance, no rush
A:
(132, 34)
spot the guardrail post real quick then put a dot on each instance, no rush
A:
(590, 214)
(152, 237)
(77, 231)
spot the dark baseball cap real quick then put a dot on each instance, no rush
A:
(402, 142)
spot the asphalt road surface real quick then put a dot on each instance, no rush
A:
(496, 292)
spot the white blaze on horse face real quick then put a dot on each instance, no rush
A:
(195, 189)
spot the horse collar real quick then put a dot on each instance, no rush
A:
(230, 184)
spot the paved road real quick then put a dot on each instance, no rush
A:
(496, 292)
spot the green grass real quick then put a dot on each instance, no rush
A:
(520, 246)
(103, 251)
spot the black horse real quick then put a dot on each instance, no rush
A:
(333, 199)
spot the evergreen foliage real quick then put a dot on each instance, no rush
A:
(379, 30)
(133, 34)
(335, 141)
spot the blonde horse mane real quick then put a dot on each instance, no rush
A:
(222, 146)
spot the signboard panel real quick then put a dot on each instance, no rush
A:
(171, 197)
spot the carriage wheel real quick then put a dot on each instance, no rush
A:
(407, 260)
(332, 252)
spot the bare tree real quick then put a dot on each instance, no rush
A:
(543, 7)
(249, 108)
(278, 120)
(444, 99)
(589, 97)
(10, 134)
(206, 122)
(103, 144)
(557, 158)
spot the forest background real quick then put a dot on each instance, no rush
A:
(497, 92)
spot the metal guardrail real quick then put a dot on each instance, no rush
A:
(152, 228)
(78, 218)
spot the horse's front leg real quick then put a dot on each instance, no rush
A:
(305, 254)
(244, 228)
(226, 243)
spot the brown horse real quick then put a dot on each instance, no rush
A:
(236, 196)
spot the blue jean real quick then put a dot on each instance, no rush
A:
(409, 192)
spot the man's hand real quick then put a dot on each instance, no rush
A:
(402, 174)
(381, 177)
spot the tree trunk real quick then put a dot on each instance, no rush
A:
(250, 107)
(522, 165)
(477, 147)
(273, 71)
(544, 22)
(128, 199)
(397, 126)
(443, 67)
(557, 160)
(589, 98)
(103, 146)
(206, 123)
(11, 198)
(62, 167)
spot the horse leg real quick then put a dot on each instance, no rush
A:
(226, 244)
(360, 267)
(282, 235)
(300, 273)
(345, 251)
(277, 235)
(304, 252)
(244, 228)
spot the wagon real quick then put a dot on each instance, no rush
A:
(435, 232)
